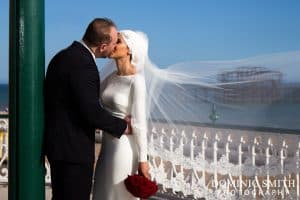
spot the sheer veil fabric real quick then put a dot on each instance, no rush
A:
(190, 92)
(259, 91)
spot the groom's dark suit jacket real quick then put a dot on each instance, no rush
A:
(72, 108)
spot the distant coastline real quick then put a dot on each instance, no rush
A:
(283, 115)
(3, 96)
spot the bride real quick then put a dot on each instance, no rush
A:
(123, 92)
(177, 95)
(132, 85)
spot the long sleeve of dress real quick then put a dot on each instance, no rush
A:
(139, 121)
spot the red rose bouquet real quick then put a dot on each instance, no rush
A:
(140, 186)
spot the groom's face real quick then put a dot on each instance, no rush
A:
(107, 49)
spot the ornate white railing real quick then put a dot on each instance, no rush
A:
(218, 163)
(4, 154)
(215, 163)
(3, 150)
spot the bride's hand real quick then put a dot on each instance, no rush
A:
(144, 169)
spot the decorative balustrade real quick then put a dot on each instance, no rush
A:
(215, 163)
(4, 154)
(3, 150)
(218, 163)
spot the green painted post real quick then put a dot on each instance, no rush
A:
(26, 76)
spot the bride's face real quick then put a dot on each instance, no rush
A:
(121, 50)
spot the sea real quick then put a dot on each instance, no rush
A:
(279, 116)
(3, 97)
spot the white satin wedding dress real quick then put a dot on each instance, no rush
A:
(122, 96)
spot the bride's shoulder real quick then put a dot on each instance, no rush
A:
(138, 78)
(139, 81)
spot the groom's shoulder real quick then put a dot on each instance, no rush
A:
(72, 53)
(63, 52)
(74, 48)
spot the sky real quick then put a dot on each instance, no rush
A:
(178, 31)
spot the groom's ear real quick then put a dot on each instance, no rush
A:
(102, 47)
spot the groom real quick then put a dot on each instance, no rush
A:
(73, 111)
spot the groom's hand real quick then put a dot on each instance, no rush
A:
(128, 130)
(144, 169)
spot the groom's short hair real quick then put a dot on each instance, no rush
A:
(98, 31)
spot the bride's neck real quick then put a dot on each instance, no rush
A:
(125, 67)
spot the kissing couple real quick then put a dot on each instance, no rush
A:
(77, 103)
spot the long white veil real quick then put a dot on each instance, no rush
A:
(256, 92)
(247, 92)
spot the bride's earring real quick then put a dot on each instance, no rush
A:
(129, 53)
